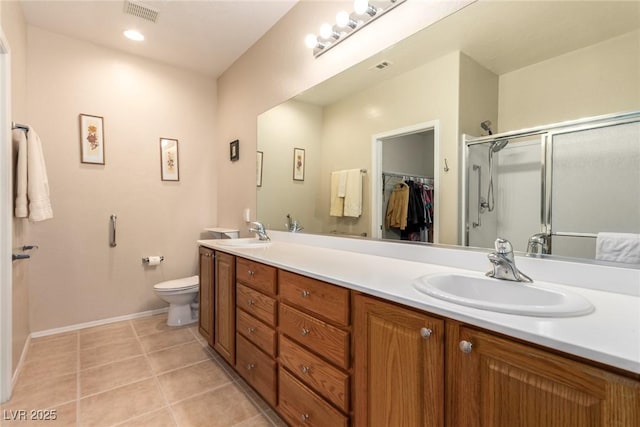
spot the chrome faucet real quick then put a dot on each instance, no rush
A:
(538, 244)
(293, 225)
(504, 263)
(259, 229)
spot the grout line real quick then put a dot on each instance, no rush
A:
(139, 380)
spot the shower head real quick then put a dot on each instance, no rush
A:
(486, 125)
(498, 145)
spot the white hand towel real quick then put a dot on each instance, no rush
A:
(618, 247)
(342, 183)
(353, 194)
(336, 207)
(37, 181)
(20, 138)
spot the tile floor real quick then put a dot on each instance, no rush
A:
(133, 373)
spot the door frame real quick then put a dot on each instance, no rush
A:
(6, 219)
(376, 173)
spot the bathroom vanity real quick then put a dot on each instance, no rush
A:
(333, 337)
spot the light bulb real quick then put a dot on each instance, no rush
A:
(311, 41)
(342, 18)
(360, 6)
(326, 31)
(134, 35)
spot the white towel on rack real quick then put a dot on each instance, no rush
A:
(20, 139)
(353, 193)
(336, 207)
(36, 180)
(618, 247)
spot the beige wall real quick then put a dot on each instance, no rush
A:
(75, 276)
(278, 67)
(15, 29)
(598, 79)
(293, 124)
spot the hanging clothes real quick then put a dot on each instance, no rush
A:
(397, 207)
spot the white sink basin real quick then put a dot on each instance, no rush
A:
(247, 242)
(503, 296)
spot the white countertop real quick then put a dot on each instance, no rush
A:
(609, 335)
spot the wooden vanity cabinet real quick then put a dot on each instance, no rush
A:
(494, 381)
(224, 303)
(398, 365)
(205, 296)
(314, 332)
(256, 312)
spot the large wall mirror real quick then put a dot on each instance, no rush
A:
(400, 116)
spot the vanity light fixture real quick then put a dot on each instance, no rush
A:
(364, 12)
(134, 35)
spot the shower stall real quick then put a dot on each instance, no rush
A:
(551, 189)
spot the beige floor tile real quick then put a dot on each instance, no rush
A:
(46, 393)
(61, 416)
(257, 400)
(151, 325)
(222, 407)
(109, 353)
(120, 404)
(48, 367)
(161, 418)
(166, 339)
(257, 421)
(105, 377)
(177, 357)
(275, 419)
(63, 344)
(111, 334)
(186, 382)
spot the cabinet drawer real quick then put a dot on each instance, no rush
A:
(261, 335)
(326, 340)
(258, 369)
(329, 382)
(256, 303)
(327, 301)
(256, 275)
(300, 406)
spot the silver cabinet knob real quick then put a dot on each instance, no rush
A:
(304, 418)
(305, 369)
(425, 332)
(250, 366)
(465, 346)
(305, 294)
(250, 302)
(251, 330)
(305, 332)
(250, 273)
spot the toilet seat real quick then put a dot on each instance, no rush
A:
(183, 284)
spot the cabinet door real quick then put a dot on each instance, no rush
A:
(501, 383)
(205, 322)
(399, 365)
(224, 307)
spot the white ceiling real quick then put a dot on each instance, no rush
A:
(205, 35)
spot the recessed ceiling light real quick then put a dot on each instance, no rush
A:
(134, 35)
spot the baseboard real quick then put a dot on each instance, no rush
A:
(97, 323)
(23, 357)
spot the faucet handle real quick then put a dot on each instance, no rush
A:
(503, 246)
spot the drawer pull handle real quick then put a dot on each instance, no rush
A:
(305, 369)
(425, 333)
(250, 366)
(465, 346)
(304, 418)
(251, 330)
(305, 294)
(305, 332)
(250, 302)
(250, 273)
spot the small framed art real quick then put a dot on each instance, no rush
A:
(258, 168)
(298, 164)
(169, 160)
(234, 150)
(91, 139)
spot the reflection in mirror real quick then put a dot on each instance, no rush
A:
(518, 64)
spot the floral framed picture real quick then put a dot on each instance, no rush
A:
(298, 164)
(169, 160)
(91, 139)
(259, 169)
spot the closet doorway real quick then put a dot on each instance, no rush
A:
(406, 157)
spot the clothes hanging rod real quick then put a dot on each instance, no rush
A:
(409, 175)
(15, 125)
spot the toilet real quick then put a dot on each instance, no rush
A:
(180, 294)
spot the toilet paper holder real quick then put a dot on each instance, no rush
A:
(146, 259)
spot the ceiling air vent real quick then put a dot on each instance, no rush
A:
(140, 10)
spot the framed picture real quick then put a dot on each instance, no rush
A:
(91, 139)
(169, 160)
(298, 164)
(234, 150)
(258, 168)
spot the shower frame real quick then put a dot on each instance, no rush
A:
(546, 133)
